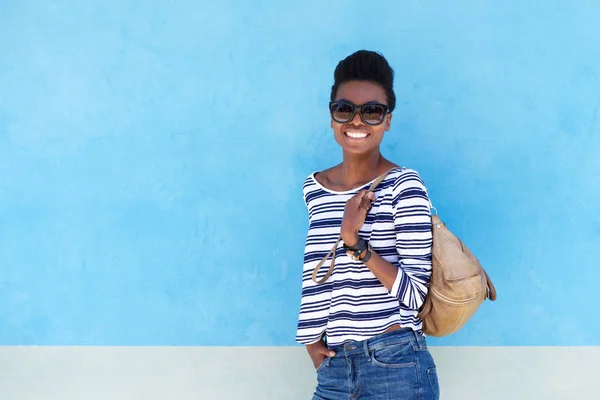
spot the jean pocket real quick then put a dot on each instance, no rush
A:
(433, 382)
(399, 355)
(323, 363)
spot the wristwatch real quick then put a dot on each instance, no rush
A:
(356, 250)
(367, 256)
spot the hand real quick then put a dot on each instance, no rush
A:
(318, 352)
(355, 214)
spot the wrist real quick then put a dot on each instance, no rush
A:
(350, 238)
(365, 256)
(358, 251)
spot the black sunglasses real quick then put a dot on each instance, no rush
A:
(372, 113)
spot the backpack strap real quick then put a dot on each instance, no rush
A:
(320, 264)
(491, 289)
(333, 250)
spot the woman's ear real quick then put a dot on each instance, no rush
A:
(388, 122)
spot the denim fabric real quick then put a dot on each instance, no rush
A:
(395, 365)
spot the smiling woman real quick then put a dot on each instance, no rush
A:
(361, 321)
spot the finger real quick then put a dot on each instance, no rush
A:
(328, 353)
(321, 349)
(360, 196)
(354, 199)
(365, 203)
(325, 352)
(370, 197)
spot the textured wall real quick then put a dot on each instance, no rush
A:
(152, 156)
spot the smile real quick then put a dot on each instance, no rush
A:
(356, 135)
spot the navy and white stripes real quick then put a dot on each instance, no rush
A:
(353, 304)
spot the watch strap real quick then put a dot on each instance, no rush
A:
(367, 256)
(356, 250)
(360, 245)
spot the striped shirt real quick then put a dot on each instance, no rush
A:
(353, 304)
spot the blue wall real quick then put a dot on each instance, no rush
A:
(152, 157)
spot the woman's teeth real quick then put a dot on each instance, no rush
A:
(357, 135)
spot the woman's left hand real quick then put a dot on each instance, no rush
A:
(355, 213)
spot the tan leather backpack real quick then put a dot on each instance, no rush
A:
(458, 285)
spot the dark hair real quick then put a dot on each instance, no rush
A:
(365, 65)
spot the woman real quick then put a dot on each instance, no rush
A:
(360, 327)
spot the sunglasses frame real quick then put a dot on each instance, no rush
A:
(360, 111)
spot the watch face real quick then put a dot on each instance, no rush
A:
(352, 255)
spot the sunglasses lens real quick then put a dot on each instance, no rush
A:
(373, 114)
(341, 112)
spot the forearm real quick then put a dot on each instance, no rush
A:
(383, 270)
(406, 283)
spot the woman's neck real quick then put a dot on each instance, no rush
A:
(357, 170)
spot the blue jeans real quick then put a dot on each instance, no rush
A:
(395, 365)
